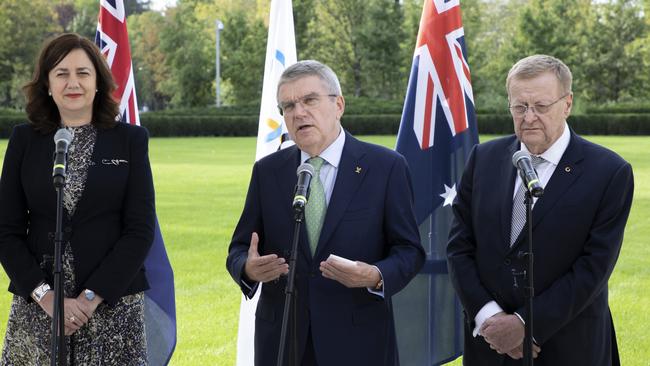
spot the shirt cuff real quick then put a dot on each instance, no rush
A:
(486, 312)
(524, 323)
(375, 291)
(251, 287)
(520, 318)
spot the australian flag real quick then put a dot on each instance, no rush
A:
(436, 134)
(160, 309)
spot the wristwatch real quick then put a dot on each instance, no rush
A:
(40, 291)
(89, 294)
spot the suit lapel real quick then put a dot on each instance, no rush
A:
(566, 173)
(350, 174)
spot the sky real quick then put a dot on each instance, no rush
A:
(162, 4)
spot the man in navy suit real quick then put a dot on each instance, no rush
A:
(364, 196)
(578, 227)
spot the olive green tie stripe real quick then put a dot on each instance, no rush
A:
(316, 205)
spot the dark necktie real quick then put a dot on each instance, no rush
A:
(518, 206)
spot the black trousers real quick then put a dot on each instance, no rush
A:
(309, 357)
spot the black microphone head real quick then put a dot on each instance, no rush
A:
(63, 135)
(518, 156)
(305, 168)
(304, 172)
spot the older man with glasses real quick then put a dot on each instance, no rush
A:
(360, 244)
(577, 225)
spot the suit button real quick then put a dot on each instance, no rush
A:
(506, 261)
(68, 229)
(312, 274)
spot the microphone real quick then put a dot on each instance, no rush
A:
(521, 160)
(304, 172)
(62, 140)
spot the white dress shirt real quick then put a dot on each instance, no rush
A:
(329, 170)
(544, 170)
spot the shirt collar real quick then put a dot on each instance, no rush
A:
(554, 153)
(332, 154)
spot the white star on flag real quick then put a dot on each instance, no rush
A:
(449, 195)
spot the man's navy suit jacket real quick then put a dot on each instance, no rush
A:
(578, 228)
(369, 218)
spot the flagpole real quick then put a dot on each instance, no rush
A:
(218, 28)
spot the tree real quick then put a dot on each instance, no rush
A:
(383, 60)
(613, 67)
(25, 25)
(65, 12)
(244, 50)
(136, 6)
(336, 33)
(149, 65)
(84, 21)
(188, 58)
(551, 27)
(303, 11)
(641, 46)
(559, 28)
(490, 28)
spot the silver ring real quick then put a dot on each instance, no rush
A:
(72, 319)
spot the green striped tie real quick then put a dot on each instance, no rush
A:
(316, 206)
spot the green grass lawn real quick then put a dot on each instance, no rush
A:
(201, 184)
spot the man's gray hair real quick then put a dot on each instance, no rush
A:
(307, 68)
(536, 65)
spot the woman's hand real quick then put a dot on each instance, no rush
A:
(88, 306)
(76, 313)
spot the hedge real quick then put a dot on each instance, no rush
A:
(609, 108)
(160, 125)
(367, 106)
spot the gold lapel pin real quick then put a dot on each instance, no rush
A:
(358, 170)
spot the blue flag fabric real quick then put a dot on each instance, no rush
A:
(160, 308)
(160, 305)
(437, 131)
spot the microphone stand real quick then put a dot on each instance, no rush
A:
(57, 340)
(290, 299)
(529, 290)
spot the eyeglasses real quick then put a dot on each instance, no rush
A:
(307, 101)
(538, 109)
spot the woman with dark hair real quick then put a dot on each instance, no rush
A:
(108, 221)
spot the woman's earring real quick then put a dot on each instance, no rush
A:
(49, 92)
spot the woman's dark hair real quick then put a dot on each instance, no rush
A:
(41, 109)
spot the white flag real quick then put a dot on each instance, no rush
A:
(280, 54)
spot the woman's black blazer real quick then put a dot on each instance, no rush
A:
(111, 230)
